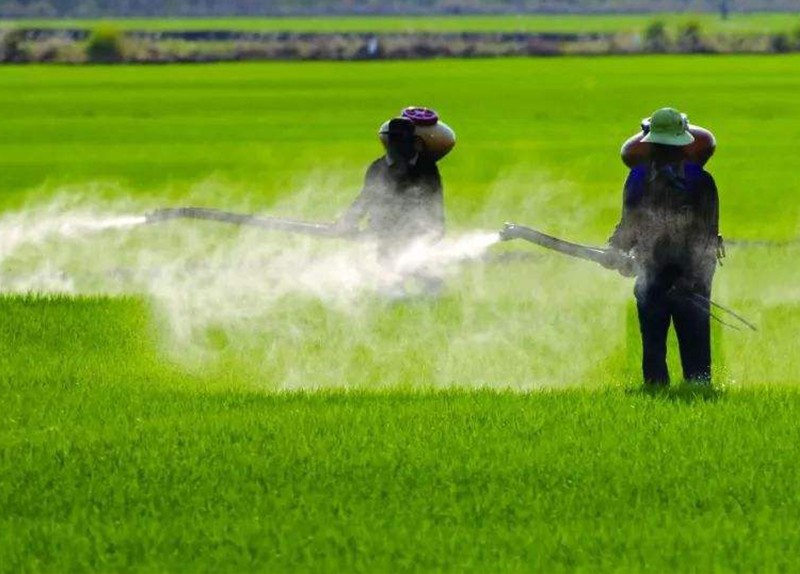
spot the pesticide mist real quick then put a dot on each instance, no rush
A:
(105, 251)
(215, 288)
(300, 312)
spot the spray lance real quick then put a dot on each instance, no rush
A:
(610, 258)
(268, 223)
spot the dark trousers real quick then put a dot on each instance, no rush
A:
(689, 311)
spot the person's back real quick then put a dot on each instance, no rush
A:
(401, 202)
(402, 199)
(405, 201)
(670, 222)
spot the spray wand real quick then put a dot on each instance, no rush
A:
(612, 259)
(269, 223)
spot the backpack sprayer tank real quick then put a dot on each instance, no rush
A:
(437, 137)
(636, 152)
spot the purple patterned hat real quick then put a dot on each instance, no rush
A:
(421, 116)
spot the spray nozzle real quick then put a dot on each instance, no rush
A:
(510, 231)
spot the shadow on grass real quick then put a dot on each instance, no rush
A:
(685, 392)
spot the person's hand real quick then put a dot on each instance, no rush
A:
(619, 261)
(720, 253)
(611, 259)
(628, 267)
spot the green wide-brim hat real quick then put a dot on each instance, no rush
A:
(669, 127)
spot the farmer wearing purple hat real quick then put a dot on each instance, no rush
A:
(401, 200)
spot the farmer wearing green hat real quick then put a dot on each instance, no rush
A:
(670, 224)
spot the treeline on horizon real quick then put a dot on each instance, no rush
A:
(222, 8)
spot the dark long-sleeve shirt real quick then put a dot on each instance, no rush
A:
(400, 203)
(670, 220)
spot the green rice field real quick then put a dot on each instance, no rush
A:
(206, 416)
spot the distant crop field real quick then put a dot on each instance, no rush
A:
(713, 23)
(194, 397)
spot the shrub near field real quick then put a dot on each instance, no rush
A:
(117, 455)
(242, 39)
(197, 8)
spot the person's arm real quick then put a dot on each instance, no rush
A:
(713, 245)
(712, 213)
(349, 221)
(625, 234)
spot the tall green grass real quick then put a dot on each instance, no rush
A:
(118, 455)
(111, 463)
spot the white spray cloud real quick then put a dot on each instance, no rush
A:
(312, 312)
(203, 276)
